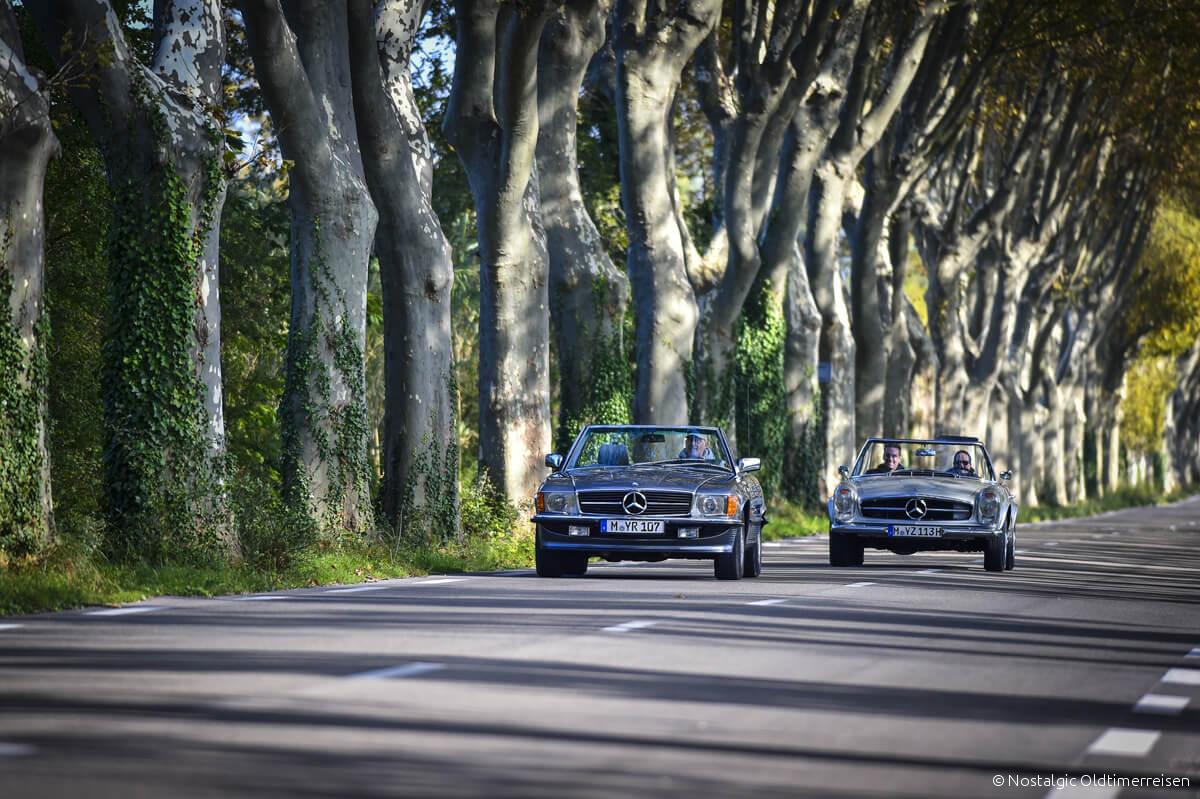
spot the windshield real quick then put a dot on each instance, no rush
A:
(940, 458)
(631, 446)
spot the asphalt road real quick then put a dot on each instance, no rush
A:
(912, 676)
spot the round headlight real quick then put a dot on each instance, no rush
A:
(844, 501)
(989, 504)
(711, 506)
(556, 502)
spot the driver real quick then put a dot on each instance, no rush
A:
(962, 464)
(891, 460)
(695, 447)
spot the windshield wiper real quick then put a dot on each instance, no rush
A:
(694, 462)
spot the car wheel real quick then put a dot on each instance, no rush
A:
(844, 551)
(753, 563)
(993, 553)
(548, 563)
(574, 565)
(730, 566)
(1010, 549)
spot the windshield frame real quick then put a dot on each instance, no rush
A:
(985, 475)
(714, 434)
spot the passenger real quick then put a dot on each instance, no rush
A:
(962, 464)
(891, 460)
(695, 447)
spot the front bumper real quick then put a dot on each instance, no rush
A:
(716, 537)
(875, 534)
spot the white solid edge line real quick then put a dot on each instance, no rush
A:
(1161, 704)
(15, 750)
(929, 571)
(1195, 653)
(858, 585)
(1154, 567)
(1085, 792)
(356, 589)
(263, 598)
(439, 581)
(406, 670)
(124, 611)
(10, 626)
(1124, 741)
(1182, 676)
(630, 625)
(767, 602)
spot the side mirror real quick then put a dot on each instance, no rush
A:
(844, 471)
(1006, 475)
(554, 461)
(749, 464)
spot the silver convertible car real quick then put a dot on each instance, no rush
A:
(913, 495)
(648, 493)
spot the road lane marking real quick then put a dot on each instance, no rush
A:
(1161, 704)
(10, 626)
(263, 598)
(768, 602)
(1124, 741)
(1195, 653)
(15, 750)
(1051, 543)
(124, 611)
(1122, 566)
(406, 670)
(1182, 676)
(630, 625)
(772, 544)
(355, 590)
(858, 585)
(929, 571)
(439, 581)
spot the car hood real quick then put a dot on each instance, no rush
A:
(660, 477)
(942, 487)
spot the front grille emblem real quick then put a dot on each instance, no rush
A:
(634, 502)
(916, 509)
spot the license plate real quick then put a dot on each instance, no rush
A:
(640, 526)
(914, 531)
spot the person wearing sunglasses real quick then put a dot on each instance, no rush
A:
(962, 464)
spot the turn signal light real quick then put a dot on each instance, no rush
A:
(541, 502)
(731, 505)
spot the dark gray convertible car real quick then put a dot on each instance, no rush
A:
(648, 493)
(912, 495)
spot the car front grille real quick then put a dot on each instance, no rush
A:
(658, 503)
(937, 510)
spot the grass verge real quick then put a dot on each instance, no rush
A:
(1123, 497)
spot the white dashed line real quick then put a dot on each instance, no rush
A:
(1084, 792)
(407, 670)
(630, 625)
(10, 626)
(1182, 676)
(355, 590)
(1195, 653)
(263, 598)
(929, 571)
(768, 602)
(124, 611)
(1124, 741)
(858, 585)
(1122, 566)
(772, 544)
(439, 582)
(15, 750)
(1161, 704)
(1051, 543)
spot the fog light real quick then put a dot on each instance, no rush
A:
(689, 532)
(577, 529)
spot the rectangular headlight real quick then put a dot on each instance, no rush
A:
(689, 532)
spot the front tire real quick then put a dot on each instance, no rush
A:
(753, 561)
(548, 563)
(844, 551)
(1010, 549)
(573, 564)
(994, 553)
(731, 566)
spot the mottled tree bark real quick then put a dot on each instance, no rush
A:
(420, 441)
(301, 55)
(492, 121)
(588, 294)
(161, 148)
(652, 45)
(27, 144)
